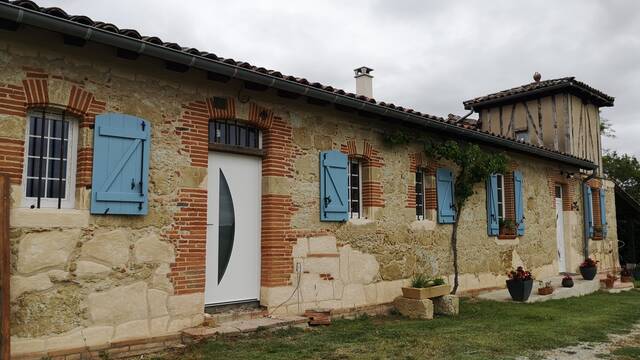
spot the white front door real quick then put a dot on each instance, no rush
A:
(233, 228)
(562, 265)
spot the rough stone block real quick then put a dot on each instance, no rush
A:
(97, 335)
(158, 326)
(186, 305)
(414, 309)
(85, 269)
(46, 249)
(111, 247)
(275, 296)
(301, 248)
(157, 303)
(26, 345)
(132, 329)
(363, 268)
(446, 305)
(322, 245)
(69, 340)
(353, 295)
(387, 291)
(23, 284)
(322, 265)
(151, 249)
(120, 304)
(179, 324)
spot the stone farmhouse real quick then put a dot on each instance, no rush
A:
(152, 181)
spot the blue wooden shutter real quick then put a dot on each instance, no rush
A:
(334, 182)
(120, 165)
(588, 210)
(446, 209)
(517, 189)
(493, 226)
(603, 212)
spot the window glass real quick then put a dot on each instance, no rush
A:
(420, 194)
(47, 164)
(500, 184)
(522, 136)
(355, 189)
(230, 132)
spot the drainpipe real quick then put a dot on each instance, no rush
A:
(584, 232)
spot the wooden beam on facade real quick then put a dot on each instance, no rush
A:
(556, 140)
(5, 268)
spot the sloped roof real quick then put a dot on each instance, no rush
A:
(56, 19)
(541, 87)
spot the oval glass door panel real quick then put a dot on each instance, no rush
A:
(226, 227)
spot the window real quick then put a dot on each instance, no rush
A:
(50, 153)
(420, 194)
(522, 135)
(501, 202)
(233, 133)
(355, 189)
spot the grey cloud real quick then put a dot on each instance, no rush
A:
(428, 55)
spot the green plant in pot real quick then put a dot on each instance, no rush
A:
(589, 268)
(519, 284)
(507, 227)
(423, 287)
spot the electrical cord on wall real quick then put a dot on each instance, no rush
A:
(299, 272)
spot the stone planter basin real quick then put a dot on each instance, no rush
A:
(426, 293)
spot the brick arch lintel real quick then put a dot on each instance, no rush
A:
(250, 113)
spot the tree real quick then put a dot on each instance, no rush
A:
(475, 166)
(625, 170)
(606, 128)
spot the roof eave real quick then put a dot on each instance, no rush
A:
(45, 21)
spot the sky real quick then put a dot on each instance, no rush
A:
(426, 55)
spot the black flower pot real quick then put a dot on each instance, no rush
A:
(519, 289)
(567, 283)
(588, 273)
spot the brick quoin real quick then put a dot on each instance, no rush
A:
(569, 188)
(372, 190)
(34, 92)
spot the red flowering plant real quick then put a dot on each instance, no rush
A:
(519, 274)
(567, 277)
(589, 263)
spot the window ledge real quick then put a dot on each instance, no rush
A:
(506, 241)
(507, 237)
(363, 221)
(48, 218)
(422, 225)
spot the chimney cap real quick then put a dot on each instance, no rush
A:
(362, 71)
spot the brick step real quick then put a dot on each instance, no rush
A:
(239, 327)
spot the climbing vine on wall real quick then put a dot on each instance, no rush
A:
(474, 166)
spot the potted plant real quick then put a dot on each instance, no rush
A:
(589, 268)
(636, 272)
(422, 287)
(507, 227)
(519, 284)
(597, 232)
(609, 280)
(545, 288)
(626, 276)
(567, 281)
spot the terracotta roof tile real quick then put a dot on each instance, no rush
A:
(571, 83)
(86, 21)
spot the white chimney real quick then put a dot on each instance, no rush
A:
(364, 81)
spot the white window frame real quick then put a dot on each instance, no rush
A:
(68, 202)
(421, 171)
(501, 197)
(355, 215)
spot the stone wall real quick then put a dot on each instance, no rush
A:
(81, 280)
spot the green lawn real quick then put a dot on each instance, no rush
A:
(484, 330)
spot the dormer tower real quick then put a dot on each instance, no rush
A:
(560, 114)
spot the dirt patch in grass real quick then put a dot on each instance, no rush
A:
(484, 330)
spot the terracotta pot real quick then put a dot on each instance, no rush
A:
(608, 282)
(426, 293)
(545, 291)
